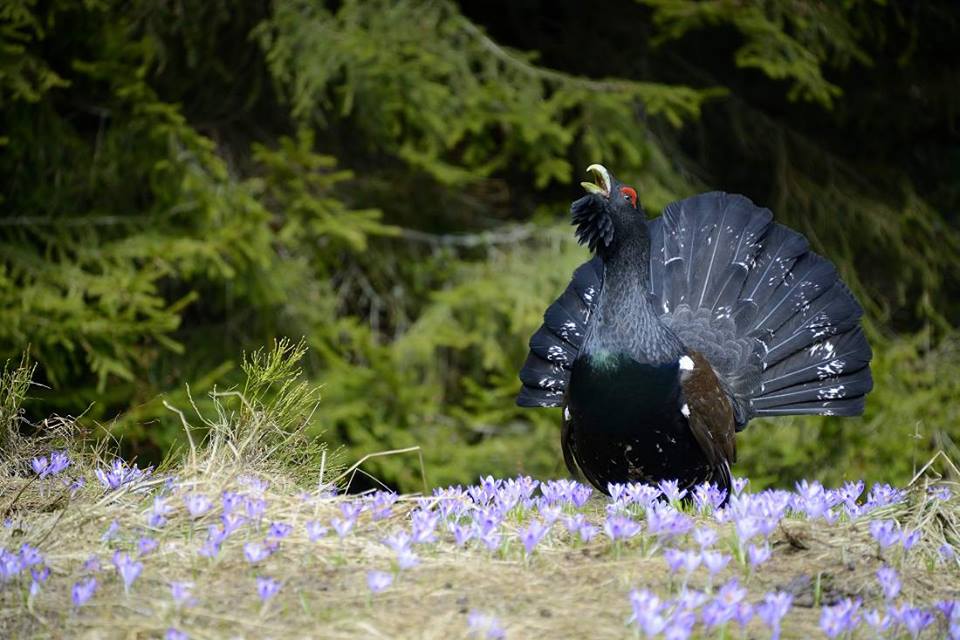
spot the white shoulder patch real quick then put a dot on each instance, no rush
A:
(566, 413)
(686, 363)
(685, 410)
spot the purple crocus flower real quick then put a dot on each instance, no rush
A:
(648, 612)
(257, 485)
(40, 574)
(315, 530)
(841, 618)
(120, 473)
(230, 501)
(40, 466)
(725, 606)
(146, 545)
(588, 531)
(398, 540)
(532, 535)
(461, 533)
(678, 560)
(758, 555)
(481, 625)
(579, 495)
(908, 539)
(407, 559)
(743, 613)
(913, 619)
(82, 591)
(941, 493)
(715, 561)
(671, 490)
(705, 537)
(111, 531)
(29, 555)
(342, 526)
(883, 494)
(889, 582)
(574, 522)
(197, 504)
(739, 484)
(210, 549)
(254, 507)
(642, 494)
(215, 537)
(618, 527)
(885, 532)
(351, 510)
(616, 491)
(490, 538)
(279, 530)
(381, 503)
(256, 552)
(717, 614)
(92, 563)
(175, 634)
(772, 610)
(76, 485)
(423, 524)
(157, 516)
(377, 581)
(10, 565)
(878, 621)
(708, 497)
(267, 588)
(128, 569)
(181, 593)
(59, 461)
(665, 521)
(747, 527)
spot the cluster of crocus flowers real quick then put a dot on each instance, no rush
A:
(713, 545)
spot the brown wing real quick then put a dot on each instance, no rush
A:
(711, 416)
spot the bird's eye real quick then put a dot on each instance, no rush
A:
(630, 195)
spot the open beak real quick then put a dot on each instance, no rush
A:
(601, 180)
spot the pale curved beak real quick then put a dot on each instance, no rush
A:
(601, 183)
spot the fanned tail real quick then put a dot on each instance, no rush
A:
(773, 318)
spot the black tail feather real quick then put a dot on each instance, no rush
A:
(839, 387)
(824, 360)
(783, 329)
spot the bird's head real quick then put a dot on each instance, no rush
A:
(610, 211)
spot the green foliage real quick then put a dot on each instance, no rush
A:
(785, 39)
(912, 415)
(14, 383)
(420, 81)
(186, 181)
(268, 421)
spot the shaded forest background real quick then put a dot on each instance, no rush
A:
(185, 181)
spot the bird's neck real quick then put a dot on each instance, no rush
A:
(627, 321)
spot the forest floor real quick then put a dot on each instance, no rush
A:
(229, 543)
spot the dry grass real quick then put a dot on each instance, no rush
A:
(564, 590)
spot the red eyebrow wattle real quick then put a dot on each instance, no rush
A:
(630, 193)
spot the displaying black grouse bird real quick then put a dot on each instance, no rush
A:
(683, 328)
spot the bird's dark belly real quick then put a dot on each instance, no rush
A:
(627, 426)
